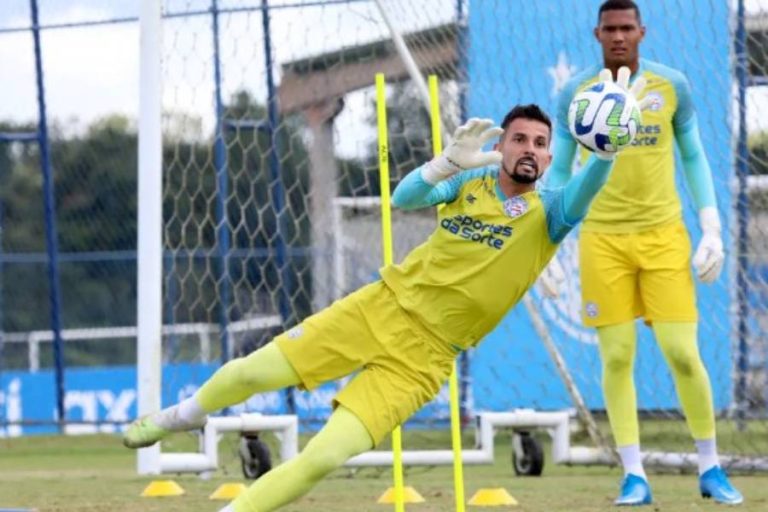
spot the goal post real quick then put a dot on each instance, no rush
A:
(149, 243)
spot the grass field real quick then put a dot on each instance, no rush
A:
(95, 474)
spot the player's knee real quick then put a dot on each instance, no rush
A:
(617, 361)
(320, 462)
(242, 374)
(683, 363)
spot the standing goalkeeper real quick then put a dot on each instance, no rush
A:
(495, 234)
(635, 252)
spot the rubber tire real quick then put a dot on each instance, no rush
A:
(254, 456)
(531, 463)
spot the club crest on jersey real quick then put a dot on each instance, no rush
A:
(591, 309)
(515, 206)
(296, 332)
(656, 101)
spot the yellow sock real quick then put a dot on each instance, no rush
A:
(677, 341)
(344, 436)
(266, 369)
(617, 354)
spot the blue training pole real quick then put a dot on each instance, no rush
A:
(51, 232)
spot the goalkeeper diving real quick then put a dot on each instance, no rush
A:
(496, 232)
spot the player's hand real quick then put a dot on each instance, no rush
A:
(552, 278)
(709, 257)
(622, 80)
(465, 151)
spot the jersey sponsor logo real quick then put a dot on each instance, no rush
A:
(591, 309)
(477, 231)
(647, 135)
(515, 206)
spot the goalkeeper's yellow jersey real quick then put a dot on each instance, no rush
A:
(481, 259)
(640, 192)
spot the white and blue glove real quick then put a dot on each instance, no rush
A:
(465, 151)
(622, 80)
(709, 256)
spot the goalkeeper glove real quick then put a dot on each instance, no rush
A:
(709, 257)
(465, 151)
(622, 80)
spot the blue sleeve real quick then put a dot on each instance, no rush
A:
(563, 151)
(413, 192)
(698, 174)
(563, 144)
(685, 110)
(563, 103)
(567, 206)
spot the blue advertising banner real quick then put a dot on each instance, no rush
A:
(108, 395)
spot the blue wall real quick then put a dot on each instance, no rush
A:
(522, 56)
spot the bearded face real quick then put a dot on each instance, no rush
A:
(525, 150)
(526, 170)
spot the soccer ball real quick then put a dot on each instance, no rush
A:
(604, 117)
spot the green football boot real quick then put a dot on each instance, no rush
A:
(143, 432)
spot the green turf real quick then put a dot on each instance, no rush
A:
(95, 473)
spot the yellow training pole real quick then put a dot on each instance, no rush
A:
(386, 245)
(458, 468)
(434, 112)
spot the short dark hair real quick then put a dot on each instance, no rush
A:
(618, 5)
(530, 111)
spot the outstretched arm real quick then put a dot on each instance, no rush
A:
(563, 151)
(414, 191)
(563, 144)
(439, 180)
(568, 205)
(582, 188)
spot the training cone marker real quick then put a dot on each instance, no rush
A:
(410, 495)
(161, 488)
(228, 492)
(492, 498)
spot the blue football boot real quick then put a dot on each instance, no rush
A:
(714, 484)
(634, 491)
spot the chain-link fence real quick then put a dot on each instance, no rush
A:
(270, 186)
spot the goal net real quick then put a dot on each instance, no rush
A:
(270, 187)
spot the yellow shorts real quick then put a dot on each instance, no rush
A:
(402, 365)
(630, 275)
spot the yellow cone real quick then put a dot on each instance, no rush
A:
(227, 492)
(492, 498)
(160, 488)
(410, 495)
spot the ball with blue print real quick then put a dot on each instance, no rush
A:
(604, 117)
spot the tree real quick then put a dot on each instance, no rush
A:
(758, 153)
(410, 139)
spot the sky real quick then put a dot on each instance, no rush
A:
(93, 71)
